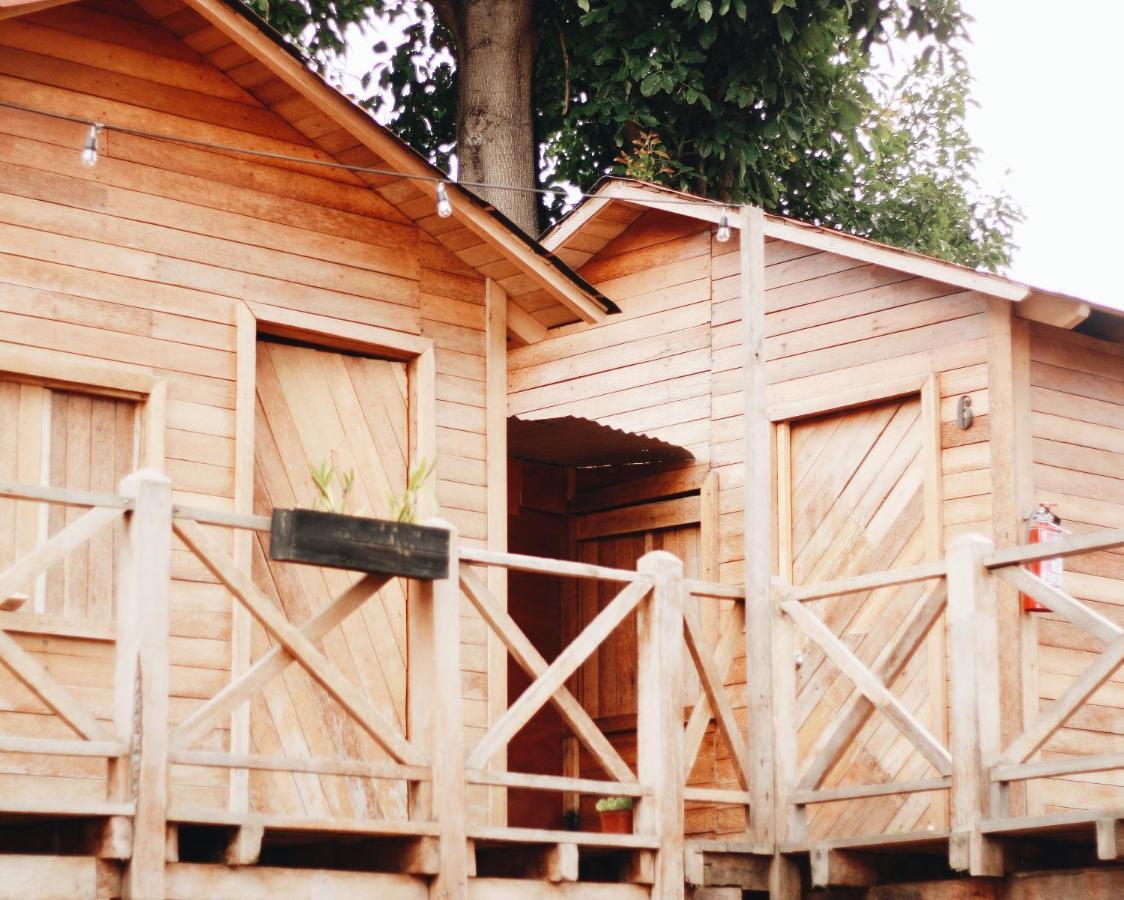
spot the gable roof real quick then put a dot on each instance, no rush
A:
(618, 202)
(232, 38)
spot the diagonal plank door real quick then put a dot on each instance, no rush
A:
(857, 499)
(312, 406)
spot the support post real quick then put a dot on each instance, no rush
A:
(435, 719)
(974, 703)
(659, 717)
(757, 531)
(141, 680)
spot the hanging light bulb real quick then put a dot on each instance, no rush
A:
(723, 233)
(444, 207)
(89, 155)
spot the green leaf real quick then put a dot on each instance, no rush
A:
(650, 84)
(705, 10)
(785, 26)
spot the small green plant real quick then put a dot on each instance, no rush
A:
(648, 160)
(333, 489)
(612, 804)
(404, 507)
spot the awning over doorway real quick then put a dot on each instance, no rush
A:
(574, 441)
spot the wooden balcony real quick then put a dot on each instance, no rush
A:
(147, 835)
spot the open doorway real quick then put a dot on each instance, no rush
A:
(581, 491)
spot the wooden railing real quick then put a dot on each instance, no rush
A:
(665, 618)
(429, 757)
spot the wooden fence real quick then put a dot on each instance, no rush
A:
(429, 756)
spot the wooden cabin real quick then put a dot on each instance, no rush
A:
(711, 504)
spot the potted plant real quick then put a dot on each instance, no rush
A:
(616, 815)
(331, 536)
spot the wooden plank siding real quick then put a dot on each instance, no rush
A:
(1077, 423)
(140, 263)
(647, 369)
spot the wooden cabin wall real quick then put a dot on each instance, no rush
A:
(656, 379)
(140, 263)
(1077, 422)
(833, 324)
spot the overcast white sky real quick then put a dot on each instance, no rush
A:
(1048, 82)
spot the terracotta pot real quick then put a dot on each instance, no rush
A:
(616, 821)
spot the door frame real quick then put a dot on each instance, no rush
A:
(784, 416)
(251, 320)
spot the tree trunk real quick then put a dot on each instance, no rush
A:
(495, 121)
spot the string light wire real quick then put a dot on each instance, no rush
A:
(444, 207)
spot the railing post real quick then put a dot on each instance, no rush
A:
(140, 707)
(435, 719)
(659, 717)
(973, 668)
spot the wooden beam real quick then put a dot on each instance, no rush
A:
(523, 326)
(271, 664)
(435, 721)
(23, 572)
(10, 9)
(713, 685)
(1106, 539)
(303, 651)
(498, 316)
(1048, 768)
(556, 674)
(1110, 838)
(891, 258)
(973, 699)
(244, 846)
(468, 210)
(1057, 713)
(842, 868)
(1073, 611)
(699, 718)
(534, 664)
(875, 691)
(1050, 309)
(659, 716)
(245, 406)
(141, 686)
(757, 531)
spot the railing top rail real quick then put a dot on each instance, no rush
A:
(521, 563)
(713, 589)
(859, 583)
(206, 516)
(63, 496)
(1069, 546)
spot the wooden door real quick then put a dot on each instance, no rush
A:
(315, 405)
(857, 502)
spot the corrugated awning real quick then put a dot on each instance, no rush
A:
(574, 441)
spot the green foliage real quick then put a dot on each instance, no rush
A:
(333, 489)
(767, 102)
(612, 804)
(404, 507)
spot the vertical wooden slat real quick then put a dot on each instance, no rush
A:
(140, 708)
(435, 721)
(974, 700)
(659, 717)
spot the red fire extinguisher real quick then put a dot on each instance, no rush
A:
(1044, 527)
